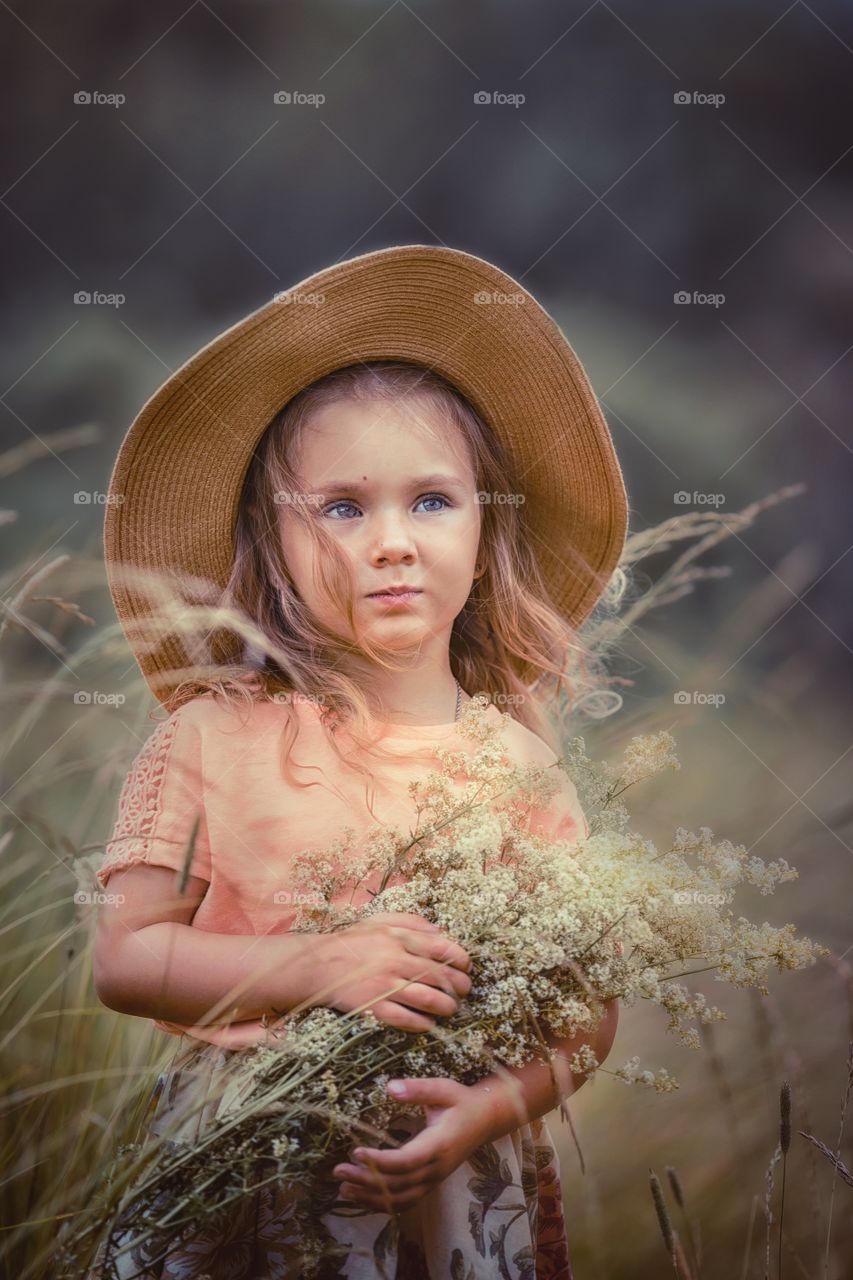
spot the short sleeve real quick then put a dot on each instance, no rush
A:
(160, 800)
(562, 817)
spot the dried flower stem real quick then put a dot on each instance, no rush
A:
(784, 1144)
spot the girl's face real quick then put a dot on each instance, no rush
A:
(400, 498)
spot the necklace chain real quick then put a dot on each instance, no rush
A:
(458, 698)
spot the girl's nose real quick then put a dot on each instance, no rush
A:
(393, 553)
(393, 543)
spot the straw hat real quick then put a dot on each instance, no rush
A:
(176, 484)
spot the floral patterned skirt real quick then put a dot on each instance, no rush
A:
(498, 1216)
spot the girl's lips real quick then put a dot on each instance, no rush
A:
(403, 597)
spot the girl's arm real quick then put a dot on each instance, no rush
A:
(149, 961)
(527, 1093)
(461, 1118)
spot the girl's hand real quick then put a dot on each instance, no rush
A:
(457, 1122)
(406, 970)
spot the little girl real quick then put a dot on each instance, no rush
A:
(402, 489)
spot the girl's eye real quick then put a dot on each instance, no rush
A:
(429, 497)
(335, 505)
(436, 497)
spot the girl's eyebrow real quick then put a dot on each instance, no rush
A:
(421, 482)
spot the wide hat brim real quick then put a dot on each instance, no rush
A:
(174, 492)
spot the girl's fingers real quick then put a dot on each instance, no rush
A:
(428, 1000)
(381, 1203)
(377, 1182)
(409, 1158)
(403, 920)
(401, 1017)
(440, 948)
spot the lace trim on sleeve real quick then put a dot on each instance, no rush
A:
(141, 793)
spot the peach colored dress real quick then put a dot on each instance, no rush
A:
(499, 1214)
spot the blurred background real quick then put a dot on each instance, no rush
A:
(673, 183)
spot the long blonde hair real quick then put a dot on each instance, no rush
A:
(507, 623)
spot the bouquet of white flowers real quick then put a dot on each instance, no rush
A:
(554, 929)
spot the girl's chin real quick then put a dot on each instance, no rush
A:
(398, 631)
(399, 628)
